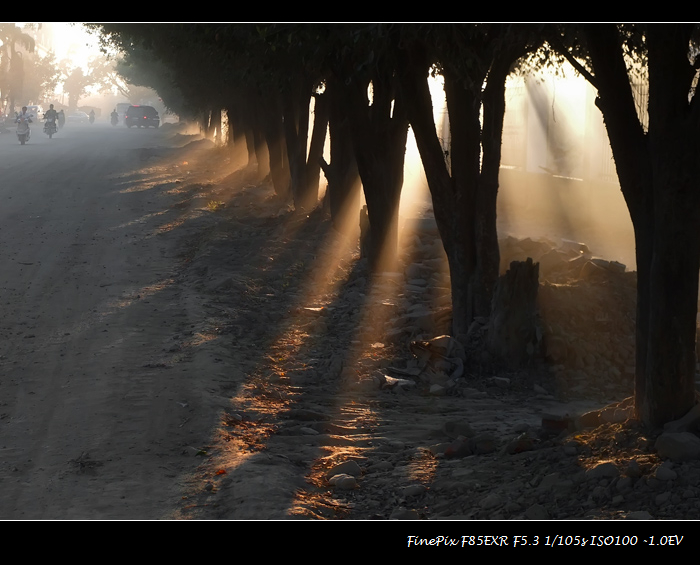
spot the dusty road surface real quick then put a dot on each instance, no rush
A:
(175, 343)
(92, 424)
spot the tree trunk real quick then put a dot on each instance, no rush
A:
(276, 148)
(670, 351)
(379, 132)
(512, 329)
(658, 173)
(318, 142)
(296, 133)
(305, 166)
(464, 196)
(342, 175)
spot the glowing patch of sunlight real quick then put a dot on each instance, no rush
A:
(170, 226)
(134, 177)
(416, 201)
(224, 126)
(422, 470)
(327, 273)
(136, 295)
(561, 183)
(141, 187)
(143, 219)
(415, 196)
(240, 441)
(200, 338)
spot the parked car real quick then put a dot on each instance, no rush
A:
(142, 116)
(78, 118)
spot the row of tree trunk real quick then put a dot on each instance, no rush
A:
(658, 172)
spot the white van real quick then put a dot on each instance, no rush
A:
(37, 111)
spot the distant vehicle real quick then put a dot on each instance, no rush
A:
(78, 118)
(36, 110)
(142, 116)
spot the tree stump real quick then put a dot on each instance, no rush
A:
(512, 328)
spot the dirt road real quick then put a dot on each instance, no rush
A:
(175, 343)
(92, 418)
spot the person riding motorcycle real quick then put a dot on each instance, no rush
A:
(23, 119)
(51, 115)
(50, 121)
(23, 115)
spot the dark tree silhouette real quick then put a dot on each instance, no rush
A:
(659, 172)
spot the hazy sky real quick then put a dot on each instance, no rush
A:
(72, 37)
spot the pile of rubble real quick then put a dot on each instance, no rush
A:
(586, 317)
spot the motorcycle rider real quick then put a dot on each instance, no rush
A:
(50, 121)
(23, 119)
(51, 115)
(23, 115)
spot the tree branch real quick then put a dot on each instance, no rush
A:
(561, 48)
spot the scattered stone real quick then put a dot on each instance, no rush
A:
(491, 501)
(588, 420)
(459, 448)
(633, 470)
(306, 415)
(665, 472)
(386, 382)
(343, 481)
(345, 468)
(537, 512)
(519, 445)
(555, 423)
(414, 490)
(689, 422)
(483, 443)
(680, 446)
(404, 514)
(605, 470)
(501, 382)
(380, 466)
(442, 448)
(457, 429)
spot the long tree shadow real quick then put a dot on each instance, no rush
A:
(306, 322)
